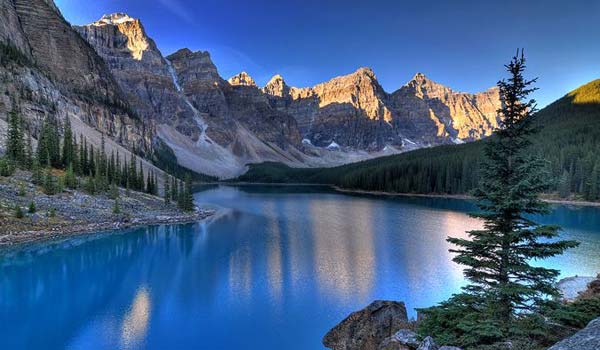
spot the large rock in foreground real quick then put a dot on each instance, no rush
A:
(587, 338)
(367, 328)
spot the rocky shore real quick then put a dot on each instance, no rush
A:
(384, 325)
(74, 212)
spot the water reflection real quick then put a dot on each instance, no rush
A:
(135, 324)
(277, 269)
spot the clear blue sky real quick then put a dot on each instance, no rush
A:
(462, 44)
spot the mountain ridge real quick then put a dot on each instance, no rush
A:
(217, 126)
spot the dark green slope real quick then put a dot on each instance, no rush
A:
(569, 139)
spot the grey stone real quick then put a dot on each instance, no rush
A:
(367, 328)
(586, 339)
(428, 344)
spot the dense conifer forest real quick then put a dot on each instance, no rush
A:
(569, 140)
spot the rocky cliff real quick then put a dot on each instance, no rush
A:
(213, 126)
(354, 111)
(52, 70)
(111, 75)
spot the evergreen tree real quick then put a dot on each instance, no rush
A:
(116, 207)
(187, 196)
(68, 150)
(83, 156)
(141, 179)
(15, 144)
(133, 175)
(28, 162)
(174, 190)
(48, 151)
(70, 180)
(36, 172)
(498, 257)
(91, 158)
(6, 167)
(113, 193)
(180, 195)
(166, 190)
(19, 212)
(32, 208)
(149, 183)
(564, 185)
(592, 184)
(49, 184)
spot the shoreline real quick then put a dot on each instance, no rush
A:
(461, 196)
(22, 239)
(397, 194)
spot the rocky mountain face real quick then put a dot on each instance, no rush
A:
(460, 116)
(213, 126)
(354, 111)
(50, 70)
(111, 76)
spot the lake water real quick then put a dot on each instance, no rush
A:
(276, 269)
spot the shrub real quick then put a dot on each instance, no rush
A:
(32, 208)
(113, 192)
(7, 168)
(90, 185)
(116, 207)
(49, 185)
(19, 212)
(22, 191)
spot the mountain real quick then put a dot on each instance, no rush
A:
(46, 68)
(569, 139)
(354, 111)
(111, 77)
(212, 126)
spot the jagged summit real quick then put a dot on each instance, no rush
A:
(242, 79)
(419, 77)
(366, 71)
(276, 79)
(114, 19)
(276, 87)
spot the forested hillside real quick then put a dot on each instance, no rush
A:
(569, 139)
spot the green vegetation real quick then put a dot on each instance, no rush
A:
(454, 322)
(569, 140)
(101, 172)
(31, 209)
(506, 292)
(116, 207)
(19, 212)
(11, 54)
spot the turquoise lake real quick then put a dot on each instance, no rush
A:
(276, 268)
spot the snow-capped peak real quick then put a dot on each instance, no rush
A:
(114, 18)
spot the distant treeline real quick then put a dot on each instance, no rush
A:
(569, 138)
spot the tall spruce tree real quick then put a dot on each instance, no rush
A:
(187, 196)
(15, 143)
(29, 155)
(68, 149)
(166, 188)
(498, 257)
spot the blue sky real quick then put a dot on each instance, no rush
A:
(462, 44)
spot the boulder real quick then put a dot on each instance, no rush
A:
(446, 347)
(428, 344)
(367, 328)
(401, 340)
(586, 339)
